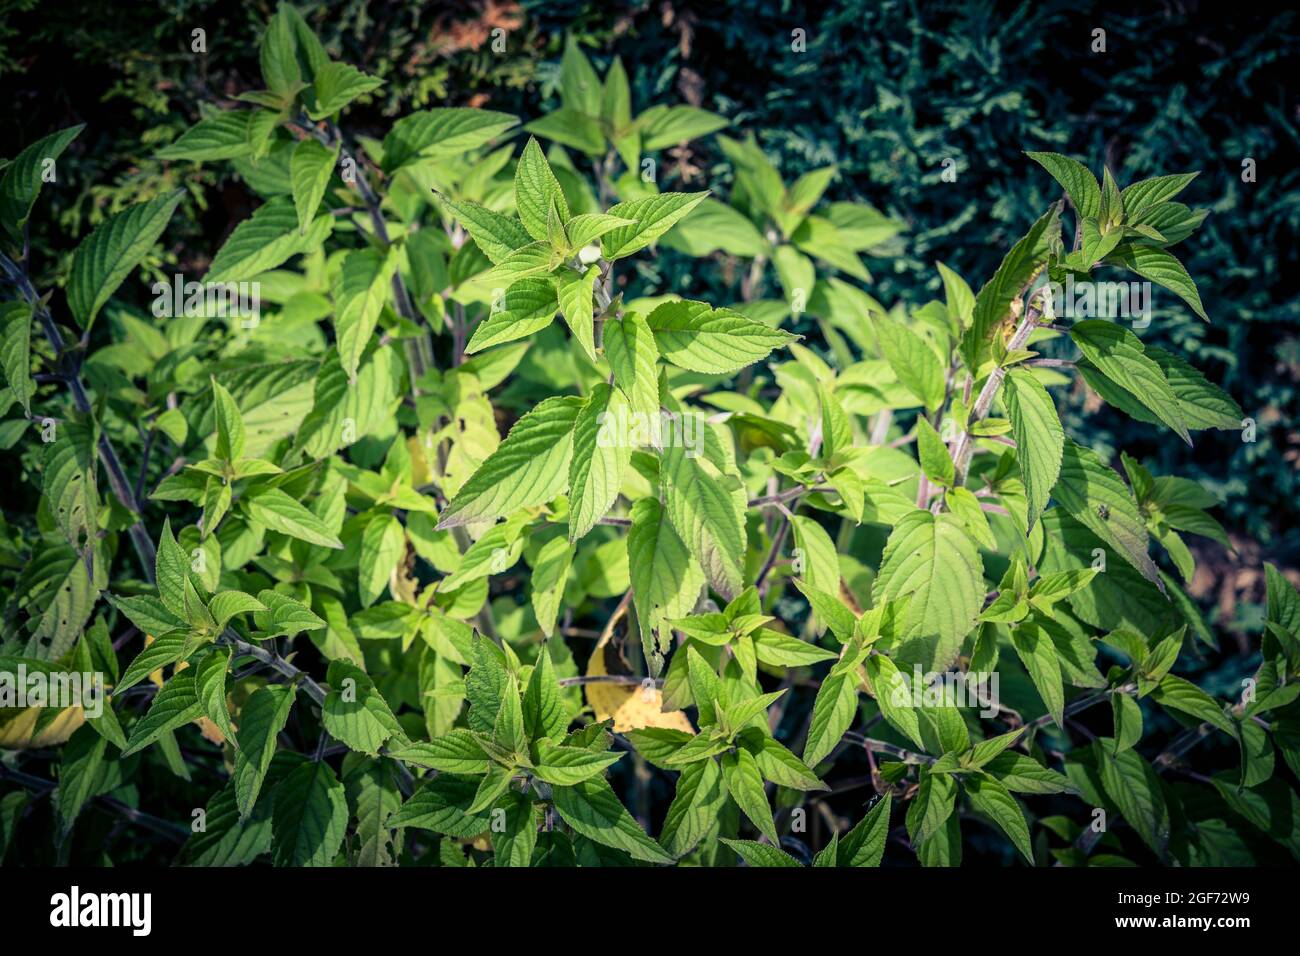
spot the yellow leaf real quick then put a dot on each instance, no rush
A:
(632, 706)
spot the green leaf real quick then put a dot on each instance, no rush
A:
(1119, 354)
(284, 616)
(383, 544)
(933, 559)
(580, 88)
(530, 466)
(260, 721)
(567, 766)
(661, 128)
(175, 705)
(337, 85)
(23, 177)
(68, 483)
(82, 760)
(1039, 437)
(279, 56)
(1038, 654)
(653, 216)
(550, 575)
(210, 689)
(1022, 774)
(914, 362)
(864, 845)
(1097, 497)
(230, 425)
(665, 579)
(593, 810)
(575, 300)
(310, 168)
(1021, 264)
(536, 191)
(1200, 403)
(496, 234)
(222, 136)
(1142, 198)
(994, 801)
(545, 712)
(632, 353)
(442, 805)
(266, 240)
(818, 560)
(514, 840)
(699, 338)
(16, 350)
(441, 133)
(714, 226)
(1128, 721)
(528, 306)
(745, 784)
(310, 817)
(708, 514)
(278, 512)
(696, 806)
(894, 697)
(165, 649)
(1176, 693)
(1132, 784)
(227, 604)
(933, 454)
(933, 805)
(834, 710)
(761, 854)
(601, 452)
(355, 713)
(361, 289)
(107, 256)
(1076, 179)
(1157, 265)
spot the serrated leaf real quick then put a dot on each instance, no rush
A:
(1040, 439)
(1076, 179)
(222, 136)
(310, 817)
(107, 256)
(1119, 354)
(1154, 263)
(653, 216)
(262, 718)
(593, 810)
(528, 306)
(310, 168)
(175, 705)
(933, 559)
(537, 191)
(706, 514)
(699, 338)
(24, 175)
(266, 240)
(1097, 497)
(575, 300)
(441, 133)
(994, 801)
(665, 579)
(530, 467)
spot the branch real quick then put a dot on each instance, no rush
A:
(117, 479)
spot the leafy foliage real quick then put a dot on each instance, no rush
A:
(405, 476)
